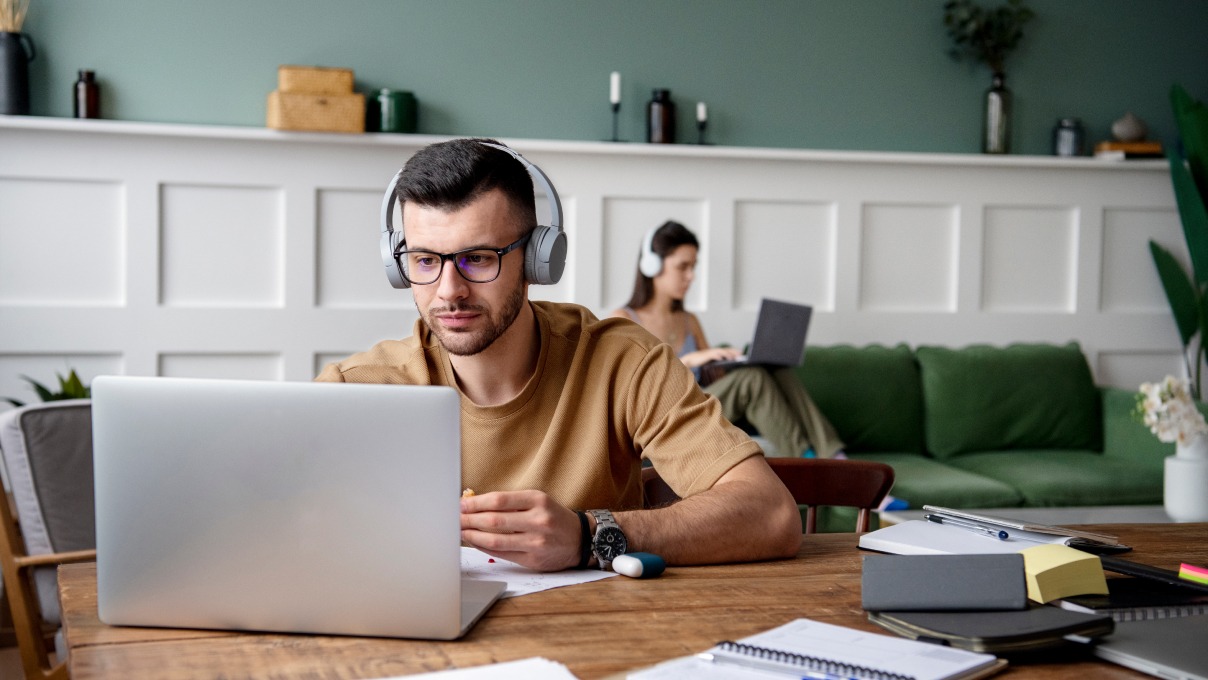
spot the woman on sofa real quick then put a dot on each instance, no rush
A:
(774, 401)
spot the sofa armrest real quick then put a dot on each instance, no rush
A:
(1125, 437)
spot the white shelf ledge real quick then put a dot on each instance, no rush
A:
(230, 132)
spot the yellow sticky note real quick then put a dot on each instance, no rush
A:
(1054, 571)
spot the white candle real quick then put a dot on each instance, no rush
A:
(614, 88)
(702, 114)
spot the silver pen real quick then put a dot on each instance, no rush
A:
(968, 526)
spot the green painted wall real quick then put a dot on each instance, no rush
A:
(824, 74)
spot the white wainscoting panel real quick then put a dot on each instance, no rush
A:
(237, 366)
(62, 242)
(784, 246)
(909, 261)
(350, 275)
(153, 249)
(1127, 232)
(1030, 259)
(1130, 369)
(222, 246)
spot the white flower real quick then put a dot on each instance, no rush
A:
(1167, 409)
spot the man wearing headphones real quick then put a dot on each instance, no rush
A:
(558, 407)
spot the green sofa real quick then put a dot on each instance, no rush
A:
(981, 426)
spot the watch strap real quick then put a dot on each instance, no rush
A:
(584, 540)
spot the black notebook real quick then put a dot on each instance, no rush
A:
(1140, 599)
(1001, 632)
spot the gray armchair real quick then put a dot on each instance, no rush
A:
(48, 519)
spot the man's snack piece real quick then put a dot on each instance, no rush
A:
(467, 493)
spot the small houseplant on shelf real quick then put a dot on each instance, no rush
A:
(988, 36)
(1169, 411)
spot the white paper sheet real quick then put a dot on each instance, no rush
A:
(532, 668)
(522, 580)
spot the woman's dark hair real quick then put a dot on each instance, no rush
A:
(669, 236)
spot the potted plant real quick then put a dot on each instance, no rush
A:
(988, 36)
(1188, 294)
(70, 387)
(1169, 412)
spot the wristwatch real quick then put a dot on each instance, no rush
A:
(609, 542)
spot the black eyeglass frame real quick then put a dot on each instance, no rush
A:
(445, 257)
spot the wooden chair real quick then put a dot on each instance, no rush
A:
(813, 482)
(46, 519)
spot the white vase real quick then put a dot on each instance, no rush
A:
(1186, 488)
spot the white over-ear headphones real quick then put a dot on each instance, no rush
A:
(650, 263)
(544, 256)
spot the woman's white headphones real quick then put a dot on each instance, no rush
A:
(650, 263)
(544, 256)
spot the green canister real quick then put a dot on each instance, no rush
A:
(399, 110)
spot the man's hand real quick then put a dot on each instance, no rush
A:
(525, 527)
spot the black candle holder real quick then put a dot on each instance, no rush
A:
(700, 131)
(616, 115)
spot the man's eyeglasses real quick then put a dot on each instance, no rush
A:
(476, 265)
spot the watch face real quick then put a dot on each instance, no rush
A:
(610, 544)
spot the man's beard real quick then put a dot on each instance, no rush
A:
(467, 343)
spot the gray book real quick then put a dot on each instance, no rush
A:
(944, 582)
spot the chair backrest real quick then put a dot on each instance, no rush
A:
(47, 518)
(813, 482)
(848, 483)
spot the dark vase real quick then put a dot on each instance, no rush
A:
(660, 118)
(996, 134)
(87, 96)
(16, 51)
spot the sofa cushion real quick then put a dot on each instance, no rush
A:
(1063, 477)
(872, 395)
(1023, 396)
(925, 481)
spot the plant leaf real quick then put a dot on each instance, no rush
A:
(1194, 215)
(1191, 117)
(43, 391)
(73, 387)
(1180, 293)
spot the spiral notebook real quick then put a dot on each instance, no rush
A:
(1140, 599)
(807, 648)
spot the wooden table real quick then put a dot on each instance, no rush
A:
(597, 629)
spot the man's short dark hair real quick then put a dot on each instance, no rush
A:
(450, 175)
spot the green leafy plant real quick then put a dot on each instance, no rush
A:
(987, 35)
(70, 387)
(1188, 293)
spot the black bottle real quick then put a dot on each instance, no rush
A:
(660, 118)
(87, 100)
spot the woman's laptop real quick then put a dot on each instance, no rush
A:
(281, 506)
(779, 336)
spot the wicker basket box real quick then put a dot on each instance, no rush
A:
(314, 80)
(320, 113)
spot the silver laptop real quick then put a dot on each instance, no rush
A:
(281, 506)
(780, 333)
(1166, 648)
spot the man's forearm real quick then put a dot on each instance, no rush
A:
(737, 521)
